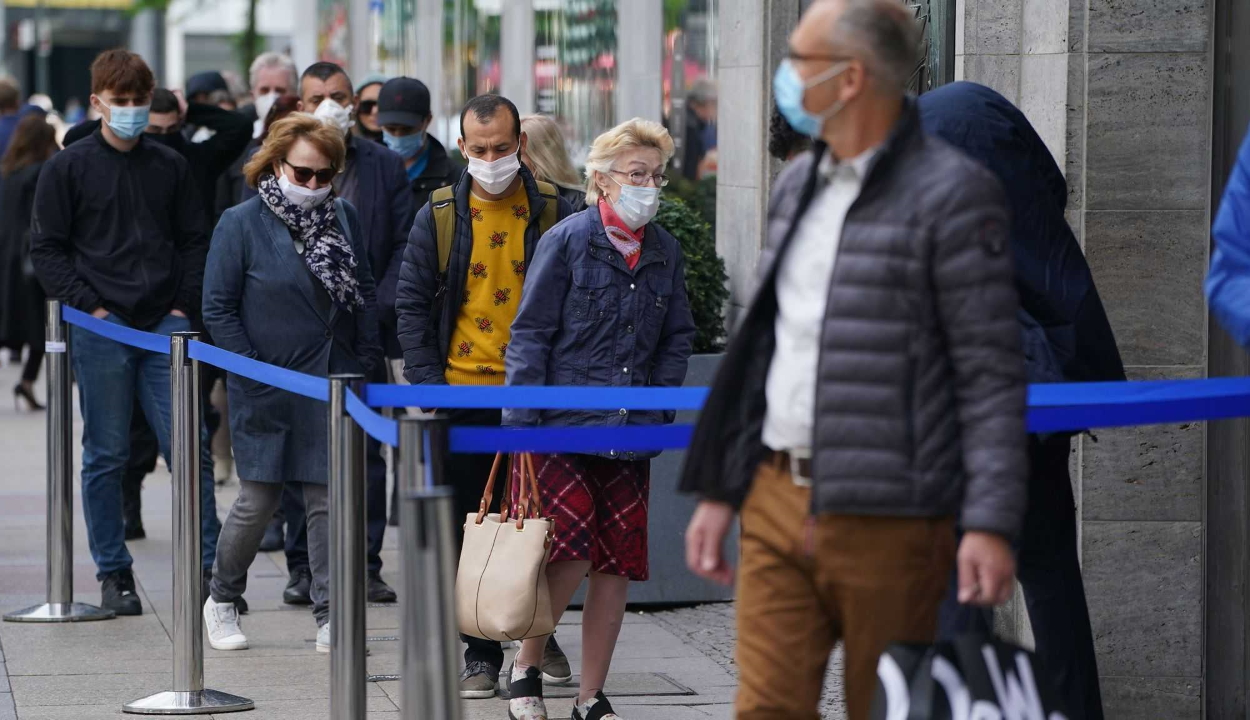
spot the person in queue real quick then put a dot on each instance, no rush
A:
(454, 320)
(606, 294)
(297, 247)
(367, 125)
(546, 157)
(1067, 338)
(374, 181)
(863, 406)
(22, 306)
(700, 137)
(404, 116)
(119, 232)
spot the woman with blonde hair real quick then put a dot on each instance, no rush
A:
(548, 160)
(604, 304)
(288, 283)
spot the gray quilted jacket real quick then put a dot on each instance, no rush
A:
(920, 407)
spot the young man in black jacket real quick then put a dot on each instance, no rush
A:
(404, 115)
(119, 232)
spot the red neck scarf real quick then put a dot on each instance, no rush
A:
(627, 242)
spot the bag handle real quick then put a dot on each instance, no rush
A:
(489, 493)
(528, 490)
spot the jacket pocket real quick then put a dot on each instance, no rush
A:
(591, 291)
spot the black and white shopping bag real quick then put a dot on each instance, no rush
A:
(971, 678)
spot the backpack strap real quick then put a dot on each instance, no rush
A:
(443, 205)
(551, 211)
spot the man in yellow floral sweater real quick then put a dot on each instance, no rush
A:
(456, 306)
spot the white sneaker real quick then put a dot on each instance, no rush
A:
(222, 622)
(323, 640)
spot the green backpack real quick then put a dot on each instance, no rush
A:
(443, 205)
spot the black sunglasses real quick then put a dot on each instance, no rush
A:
(303, 174)
(367, 107)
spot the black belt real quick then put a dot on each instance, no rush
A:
(799, 468)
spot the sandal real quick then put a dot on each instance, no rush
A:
(525, 695)
(597, 709)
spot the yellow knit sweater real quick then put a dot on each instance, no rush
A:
(492, 290)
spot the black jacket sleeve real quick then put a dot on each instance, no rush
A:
(401, 204)
(415, 304)
(79, 131)
(51, 250)
(232, 133)
(191, 228)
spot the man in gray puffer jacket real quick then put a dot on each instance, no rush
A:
(875, 392)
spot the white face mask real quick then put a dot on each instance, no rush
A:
(335, 115)
(636, 205)
(300, 196)
(495, 177)
(264, 104)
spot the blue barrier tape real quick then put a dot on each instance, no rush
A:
(119, 333)
(630, 438)
(384, 430)
(1079, 406)
(310, 386)
(535, 398)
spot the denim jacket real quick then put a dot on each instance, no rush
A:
(587, 319)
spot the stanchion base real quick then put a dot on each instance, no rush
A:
(202, 702)
(60, 612)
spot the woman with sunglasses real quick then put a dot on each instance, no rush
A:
(604, 303)
(288, 283)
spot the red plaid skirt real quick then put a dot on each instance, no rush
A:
(599, 509)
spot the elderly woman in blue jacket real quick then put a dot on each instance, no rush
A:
(288, 283)
(604, 304)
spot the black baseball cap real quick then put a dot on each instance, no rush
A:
(205, 83)
(403, 101)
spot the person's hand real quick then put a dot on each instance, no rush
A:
(177, 313)
(99, 313)
(987, 569)
(182, 103)
(705, 541)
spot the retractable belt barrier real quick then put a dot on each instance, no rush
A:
(1057, 407)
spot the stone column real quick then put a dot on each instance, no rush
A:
(639, 60)
(428, 28)
(303, 33)
(516, 52)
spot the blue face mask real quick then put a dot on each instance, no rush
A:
(406, 146)
(128, 122)
(788, 90)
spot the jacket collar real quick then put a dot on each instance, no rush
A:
(906, 134)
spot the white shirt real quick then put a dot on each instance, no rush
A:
(803, 279)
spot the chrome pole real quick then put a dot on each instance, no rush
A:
(60, 605)
(189, 697)
(428, 663)
(348, 674)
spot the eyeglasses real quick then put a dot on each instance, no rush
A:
(366, 107)
(640, 178)
(304, 174)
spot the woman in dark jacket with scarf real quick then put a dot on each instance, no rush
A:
(604, 304)
(288, 283)
(21, 306)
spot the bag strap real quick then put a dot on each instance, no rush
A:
(443, 206)
(522, 463)
(551, 211)
(489, 493)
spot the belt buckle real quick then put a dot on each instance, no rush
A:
(797, 477)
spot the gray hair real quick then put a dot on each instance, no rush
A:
(702, 91)
(885, 36)
(267, 60)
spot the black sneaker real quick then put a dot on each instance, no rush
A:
(379, 591)
(299, 588)
(597, 709)
(118, 594)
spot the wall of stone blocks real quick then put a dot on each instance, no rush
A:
(1121, 92)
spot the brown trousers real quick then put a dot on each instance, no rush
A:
(807, 582)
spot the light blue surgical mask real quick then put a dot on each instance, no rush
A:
(788, 90)
(407, 146)
(128, 123)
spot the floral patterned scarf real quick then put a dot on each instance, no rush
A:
(327, 253)
(627, 242)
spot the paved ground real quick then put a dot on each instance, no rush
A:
(674, 665)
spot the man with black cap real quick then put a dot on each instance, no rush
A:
(404, 115)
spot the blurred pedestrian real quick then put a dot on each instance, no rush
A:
(604, 304)
(548, 159)
(863, 405)
(1067, 338)
(368, 126)
(22, 309)
(118, 232)
(299, 248)
(271, 76)
(12, 110)
(404, 116)
(458, 292)
(700, 135)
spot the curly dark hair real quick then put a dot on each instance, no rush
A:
(783, 142)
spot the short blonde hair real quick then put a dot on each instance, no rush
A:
(284, 134)
(636, 133)
(545, 147)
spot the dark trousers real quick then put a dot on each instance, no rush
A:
(375, 513)
(467, 475)
(143, 452)
(1050, 573)
(34, 329)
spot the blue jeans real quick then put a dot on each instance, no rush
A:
(111, 377)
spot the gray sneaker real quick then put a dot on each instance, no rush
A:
(479, 681)
(556, 670)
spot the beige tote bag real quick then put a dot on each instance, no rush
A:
(501, 585)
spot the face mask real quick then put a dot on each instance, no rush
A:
(788, 90)
(264, 104)
(128, 122)
(335, 115)
(300, 196)
(636, 205)
(407, 146)
(495, 177)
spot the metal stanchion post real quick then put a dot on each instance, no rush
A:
(60, 606)
(189, 697)
(347, 554)
(430, 684)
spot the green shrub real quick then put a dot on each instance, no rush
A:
(705, 271)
